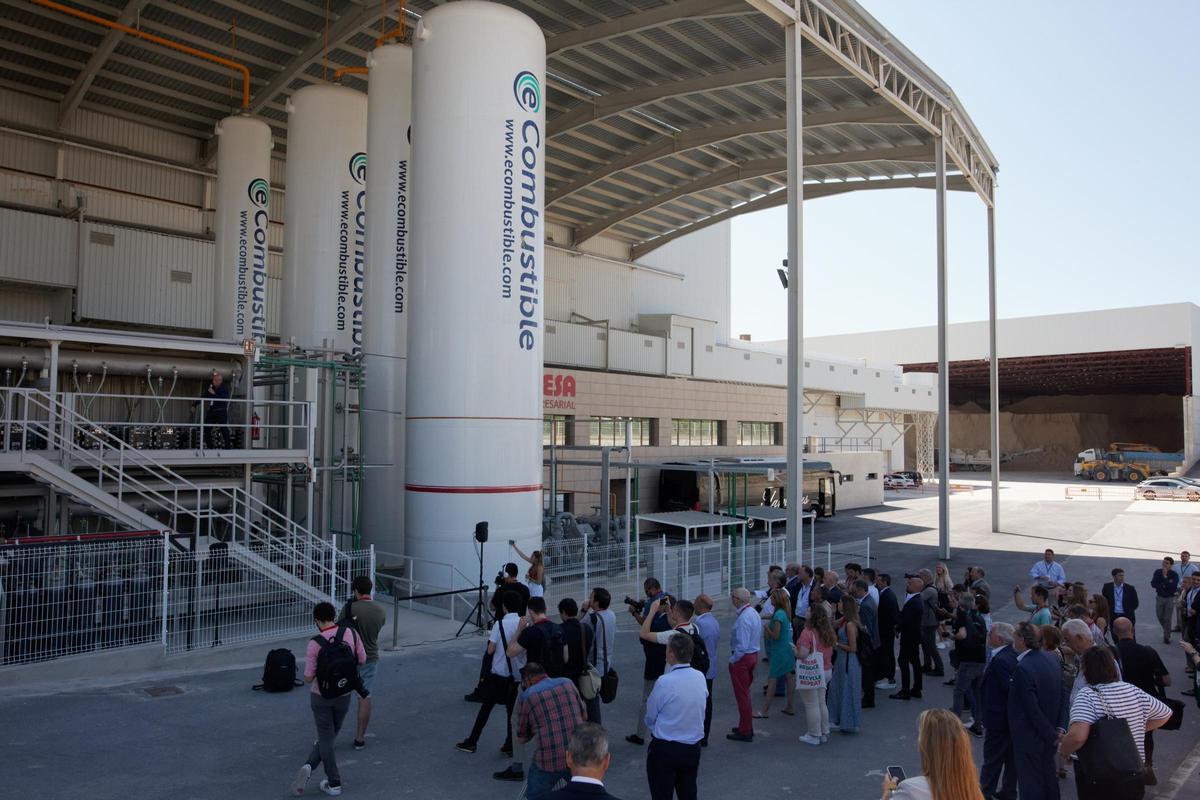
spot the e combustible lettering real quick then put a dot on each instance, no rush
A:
(351, 267)
(519, 235)
(252, 259)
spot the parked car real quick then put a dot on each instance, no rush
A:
(912, 475)
(895, 480)
(1169, 489)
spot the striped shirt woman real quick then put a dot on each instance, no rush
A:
(1122, 700)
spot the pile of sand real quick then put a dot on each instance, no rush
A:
(1051, 424)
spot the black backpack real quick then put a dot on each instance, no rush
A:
(555, 664)
(279, 672)
(700, 660)
(1110, 757)
(337, 665)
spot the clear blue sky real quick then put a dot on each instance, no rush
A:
(1091, 110)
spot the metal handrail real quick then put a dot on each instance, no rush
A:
(316, 554)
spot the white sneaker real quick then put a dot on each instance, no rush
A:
(835, 727)
(332, 791)
(301, 780)
(813, 740)
(824, 738)
(967, 723)
(885, 684)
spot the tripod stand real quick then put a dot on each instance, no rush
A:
(481, 536)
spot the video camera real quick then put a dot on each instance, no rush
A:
(641, 605)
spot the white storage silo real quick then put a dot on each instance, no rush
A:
(325, 218)
(240, 257)
(389, 114)
(475, 350)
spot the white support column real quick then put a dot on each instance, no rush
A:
(795, 288)
(53, 391)
(943, 432)
(993, 369)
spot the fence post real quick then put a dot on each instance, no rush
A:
(371, 573)
(166, 586)
(662, 572)
(728, 564)
(828, 556)
(585, 564)
(333, 569)
(744, 537)
(868, 551)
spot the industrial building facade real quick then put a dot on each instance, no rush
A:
(1068, 382)
(395, 348)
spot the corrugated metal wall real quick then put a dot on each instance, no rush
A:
(577, 345)
(37, 248)
(637, 352)
(23, 304)
(145, 278)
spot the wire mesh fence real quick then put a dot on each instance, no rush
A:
(217, 598)
(712, 568)
(66, 598)
(69, 598)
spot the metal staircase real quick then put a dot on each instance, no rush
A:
(55, 445)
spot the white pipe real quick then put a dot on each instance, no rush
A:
(116, 363)
(666, 273)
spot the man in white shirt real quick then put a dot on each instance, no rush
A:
(675, 717)
(501, 686)
(680, 616)
(1050, 574)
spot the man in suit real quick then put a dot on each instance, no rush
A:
(868, 613)
(1034, 708)
(1122, 598)
(998, 777)
(889, 617)
(588, 759)
(911, 614)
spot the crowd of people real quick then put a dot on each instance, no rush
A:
(1042, 693)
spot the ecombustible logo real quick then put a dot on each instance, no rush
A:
(358, 167)
(260, 192)
(527, 91)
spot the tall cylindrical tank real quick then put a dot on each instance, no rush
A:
(475, 354)
(389, 114)
(240, 256)
(325, 218)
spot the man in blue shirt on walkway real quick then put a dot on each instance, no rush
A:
(675, 717)
(710, 632)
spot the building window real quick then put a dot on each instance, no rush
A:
(872, 476)
(555, 430)
(610, 431)
(758, 433)
(562, 504)
(695, 432)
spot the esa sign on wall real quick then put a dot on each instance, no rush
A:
(558, 391)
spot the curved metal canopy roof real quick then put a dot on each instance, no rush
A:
(664, 116)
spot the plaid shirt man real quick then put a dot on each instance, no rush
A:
(549, 709)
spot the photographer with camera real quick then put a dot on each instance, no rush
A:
(501, 686)
(506, 580)
(656, 654)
